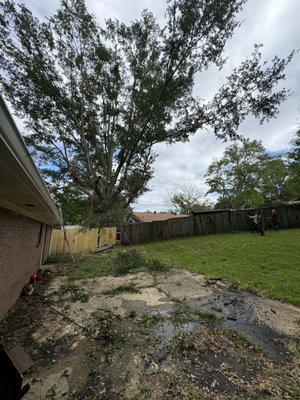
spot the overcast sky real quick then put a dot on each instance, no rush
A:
(275, 23)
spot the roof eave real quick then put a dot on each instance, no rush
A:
(17, 152)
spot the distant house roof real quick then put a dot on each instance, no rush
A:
(155, 216)
(22, 189)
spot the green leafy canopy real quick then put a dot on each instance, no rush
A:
(96, 99)
(247, 176)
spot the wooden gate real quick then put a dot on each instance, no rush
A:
(81, 240)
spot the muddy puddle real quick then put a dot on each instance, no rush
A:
(238, 312)
(167, 330)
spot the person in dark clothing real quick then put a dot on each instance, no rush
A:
(260, 224)
(257, 223)
(275, 220)
(254, 221)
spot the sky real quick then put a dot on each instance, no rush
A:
(275, 24)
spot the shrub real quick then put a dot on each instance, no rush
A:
(130, 260)
(127, 261)
(156, 265)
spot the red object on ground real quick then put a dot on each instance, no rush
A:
(39, 278)
(28, 289)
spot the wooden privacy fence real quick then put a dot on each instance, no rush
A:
(206, 222)
(81, 240)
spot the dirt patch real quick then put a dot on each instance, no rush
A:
(179, 285)
(167, 335)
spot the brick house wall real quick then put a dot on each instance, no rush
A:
(48, 231)
(21, 249)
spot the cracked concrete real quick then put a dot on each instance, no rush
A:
(156, 294)
(70, 364)
(181, 284)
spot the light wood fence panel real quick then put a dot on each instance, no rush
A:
(107, 236)
(81, 240)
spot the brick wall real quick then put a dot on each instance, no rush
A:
(47, 242)
(20, 255)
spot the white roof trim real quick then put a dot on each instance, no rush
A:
(13, 140)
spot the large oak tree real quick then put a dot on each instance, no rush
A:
(96, 99)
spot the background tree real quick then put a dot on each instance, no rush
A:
(246, 176)
(186, 199)
(273, 181)
(75, 208)
(96, 99)
(292, 186)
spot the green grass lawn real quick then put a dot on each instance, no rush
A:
(268, 265)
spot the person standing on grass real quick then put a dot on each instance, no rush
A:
(254, 221)
(274, 220)
(257, 225)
